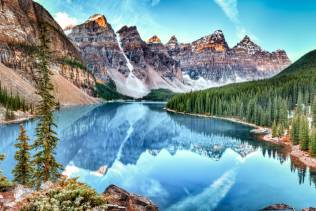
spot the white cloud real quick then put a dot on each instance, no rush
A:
(230, 9)
(64, 20)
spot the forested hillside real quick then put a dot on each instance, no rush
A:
(10, 101)
(261, 102)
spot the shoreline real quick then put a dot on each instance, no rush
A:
(16, 121)
(302, 156)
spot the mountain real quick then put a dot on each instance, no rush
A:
(121, 63)
(124, 58)
(209, 61)
(20, 23)
(262, 102)
(137, 67)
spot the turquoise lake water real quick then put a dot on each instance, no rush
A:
(179, 162)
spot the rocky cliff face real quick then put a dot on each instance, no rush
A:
(20, 23)
(99, 47)
(210, 62)
(135, 66)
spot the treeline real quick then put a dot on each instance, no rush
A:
(263, 102)
(260, 102)
(286, 102)
(12, 102)
(303, 127)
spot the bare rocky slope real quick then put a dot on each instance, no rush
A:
(209, 61)
(136, 66)
(124, 58)
(93, 51)
(20, 22)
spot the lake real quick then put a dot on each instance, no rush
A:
(179, 162)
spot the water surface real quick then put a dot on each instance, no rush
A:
(179, 162)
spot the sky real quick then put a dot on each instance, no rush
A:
(273, 24)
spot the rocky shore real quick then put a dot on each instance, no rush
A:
(117, 199)
(295, 151)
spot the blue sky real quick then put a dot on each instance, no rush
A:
(273, 24)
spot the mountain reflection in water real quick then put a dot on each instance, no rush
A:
(180, 162)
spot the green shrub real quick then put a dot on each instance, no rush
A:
(5, 184)
(67, 195)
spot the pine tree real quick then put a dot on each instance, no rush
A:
(314, 111)
(274, 130)
(46, 166)
(280, 129)
(23, 169)
(312, 145)
(4, 183)
(300, 102)
(304, 133)
(295, 130)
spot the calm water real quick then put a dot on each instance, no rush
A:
(180, 162)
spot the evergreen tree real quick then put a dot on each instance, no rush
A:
(300, 102)
(4, 183)
(312, 146)
(304, 133)
(295, 130)
(280, 130)
(46, 166)
(314, 111)
(23, 169)
(274, 130)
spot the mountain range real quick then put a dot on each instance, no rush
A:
(93, 53)
(137, 67)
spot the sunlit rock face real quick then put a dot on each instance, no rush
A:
(99, 47)
(135, 66)
(212, 59)
(21, 24)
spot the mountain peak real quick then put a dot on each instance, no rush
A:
(215, 42)
(98, 19)
(247, 44)
(154, 40)
(173, 40)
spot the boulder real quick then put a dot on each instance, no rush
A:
(132, 202)
(283, 207)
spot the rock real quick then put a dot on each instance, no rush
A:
(135, 66)
(20, 22)
(211, 58)
(47, 185)
(309, 209)
(20, 192)
(99, 47)
(118, 196)
(283, 207)
(154, 39)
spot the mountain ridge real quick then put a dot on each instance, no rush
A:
(20, 22)
(130, 61)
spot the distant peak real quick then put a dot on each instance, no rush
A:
(246, 39)
(173, 39)
(218, 32)
(218, 35)
(247, 44)
(99, 19)
(154, 39)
